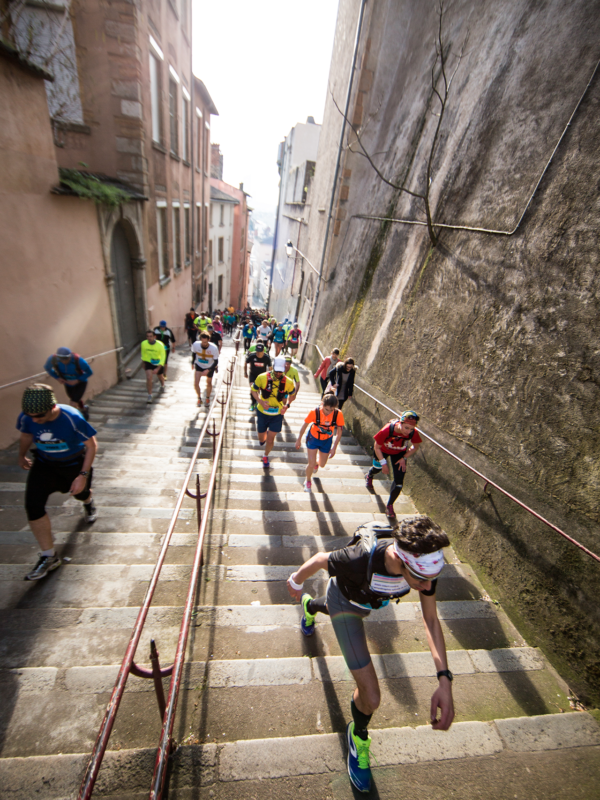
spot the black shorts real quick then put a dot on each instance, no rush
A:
(208, 372)
(46, 477)
(75, 393)
(148, 365)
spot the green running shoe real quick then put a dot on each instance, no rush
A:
(307, 623)
(359, 763)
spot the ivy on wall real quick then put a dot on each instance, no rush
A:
(89, 186)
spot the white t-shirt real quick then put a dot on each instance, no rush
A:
(263, 332)
(205, 358)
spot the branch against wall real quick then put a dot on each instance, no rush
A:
(443, 72)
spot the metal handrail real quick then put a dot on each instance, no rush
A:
(166, 745)
(488, 481)
(38, 374)
(127, 665)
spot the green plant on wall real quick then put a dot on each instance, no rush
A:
(84, 184)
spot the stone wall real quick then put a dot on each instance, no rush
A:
(492, 337)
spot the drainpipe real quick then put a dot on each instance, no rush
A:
(336, 174)
(276, 226)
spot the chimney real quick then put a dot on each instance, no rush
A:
(241, 187)
(216, 162)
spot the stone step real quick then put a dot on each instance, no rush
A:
(545, 755)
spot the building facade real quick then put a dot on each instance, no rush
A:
(125, 104)
(229, 246)
(296, 161)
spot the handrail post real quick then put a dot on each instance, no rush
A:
(158, 687)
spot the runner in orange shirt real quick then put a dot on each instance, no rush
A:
(323, 421)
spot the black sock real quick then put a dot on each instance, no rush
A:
(361, 721)
(317, 606)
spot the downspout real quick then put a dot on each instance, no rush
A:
(276, 229)
(192, 122)
(337, 171)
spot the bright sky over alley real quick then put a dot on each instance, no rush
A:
(266, 66)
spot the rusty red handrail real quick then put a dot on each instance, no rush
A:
(127, 665)
(488, 481)
(165, 744)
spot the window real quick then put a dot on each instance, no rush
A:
(185, 124)
(206, 154)
(242, 237)
(221, 249)
(211, 215)
(221, 219)
(205, 229)
(176, 238)
(173, 117)
(199, 231)
(199, 162)
(184, 14)
(187, 235)
(161, 242)
(220, 287)
(155, 94)
(210, 252)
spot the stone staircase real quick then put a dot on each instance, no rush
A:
(262, 709)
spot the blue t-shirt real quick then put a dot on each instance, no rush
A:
(68, 371)
(248, 332)
(279, 335)
(61, 439)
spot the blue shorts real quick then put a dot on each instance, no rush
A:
(324, 445)
(268, 422)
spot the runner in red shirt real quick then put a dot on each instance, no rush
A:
(399, 440)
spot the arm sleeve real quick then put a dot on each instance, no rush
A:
(85, 368)
(50, 369)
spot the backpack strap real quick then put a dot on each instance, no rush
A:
(78, 368)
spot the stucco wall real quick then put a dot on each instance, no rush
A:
(493, 338)
(53, 288)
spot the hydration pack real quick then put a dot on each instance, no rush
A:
(395, 439)
(326, 430)
(368, 535)
(268, 390)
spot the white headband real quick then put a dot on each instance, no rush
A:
(428, 566)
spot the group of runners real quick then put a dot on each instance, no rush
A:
(382, 562)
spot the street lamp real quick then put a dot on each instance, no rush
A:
(289, 249)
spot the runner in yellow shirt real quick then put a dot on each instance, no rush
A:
(154, 356)
(270, 392)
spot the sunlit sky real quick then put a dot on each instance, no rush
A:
(266, 66)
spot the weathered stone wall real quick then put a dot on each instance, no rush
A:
(492, 337)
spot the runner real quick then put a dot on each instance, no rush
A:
(65, 450)
(278, 337)
(202, 321)
(400, 441)
(294, 338)
(341, 378)
(215, 337)
(269, 392)
(259, 362)
(319, 439)
(264, 332)
(166, 336)
(217, 325)
(325, 366)
(73, 372)
(364, 576)
(190, 328)
(292, 373)
(206, 364)
(153, 360)
(248, 333)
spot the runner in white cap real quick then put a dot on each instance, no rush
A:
(270, 392)
(366, 575)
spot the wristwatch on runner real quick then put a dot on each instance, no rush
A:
(447, 673)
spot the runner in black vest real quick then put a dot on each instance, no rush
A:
(412, 559)
(259, 362)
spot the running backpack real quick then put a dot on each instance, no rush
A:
(325, 429)
(268, 390)
(393, 423)
(368, 535)
(76, 358)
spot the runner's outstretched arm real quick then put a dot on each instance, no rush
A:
(299, 439)
(307, 570)
(442, 697)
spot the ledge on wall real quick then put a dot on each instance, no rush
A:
(102, 189)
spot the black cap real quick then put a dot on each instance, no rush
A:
(260, 346)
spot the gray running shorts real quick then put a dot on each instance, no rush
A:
(347, 620)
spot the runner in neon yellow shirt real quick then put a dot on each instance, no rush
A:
(154, 356)
(292, 373)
